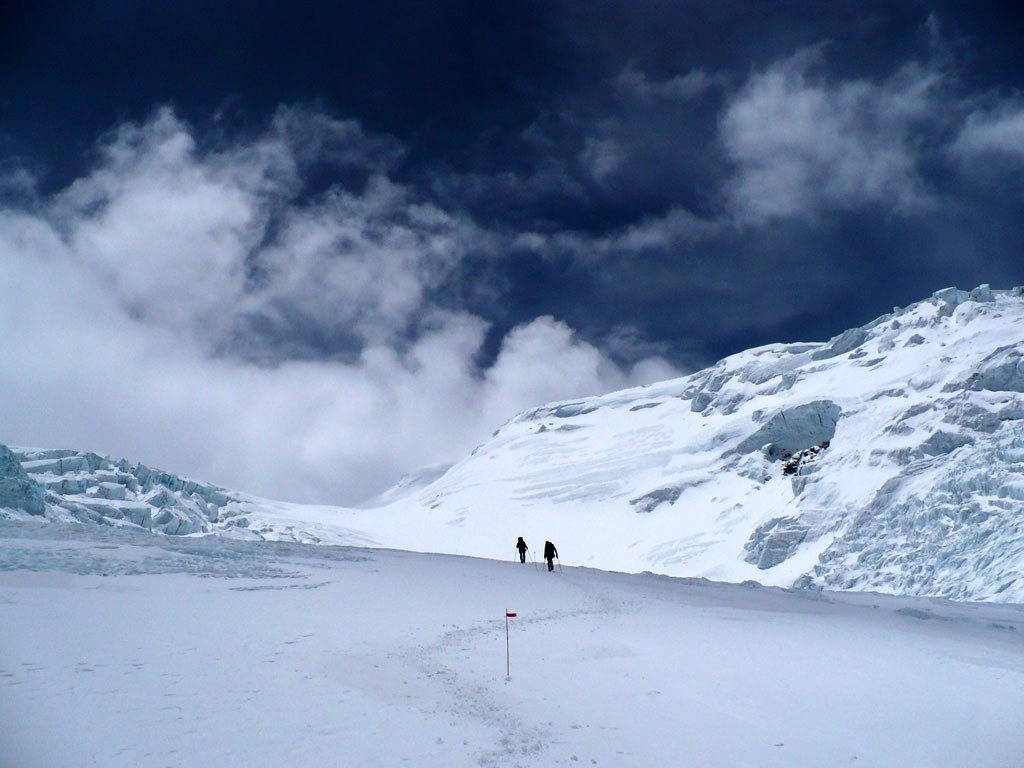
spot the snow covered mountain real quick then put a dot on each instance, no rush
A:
(890, 458)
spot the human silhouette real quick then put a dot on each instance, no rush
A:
(521, 546)
(550, 553)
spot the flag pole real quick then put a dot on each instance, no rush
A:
(508, 674)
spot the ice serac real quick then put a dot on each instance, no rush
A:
(17, 491)
(954, 528)
(652, 500)
(793, 429)
(1002, 371)
(89, 487)
(775, 542)
(84, 487)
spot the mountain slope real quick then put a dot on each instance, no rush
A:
(890, 458)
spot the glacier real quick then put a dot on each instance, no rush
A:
(888, 459)
(124, 649)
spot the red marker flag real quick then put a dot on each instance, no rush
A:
(508, 615)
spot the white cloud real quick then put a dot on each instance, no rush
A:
(677, 227)
(315, 137)
(675, 230)
(993, 135)
(635, 84)
(167, 232)
(602, 158)
(180, 236)
(360, 263)
(801, 144)
(128, 301)
(543, 361)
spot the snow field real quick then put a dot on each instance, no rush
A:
(214, 652)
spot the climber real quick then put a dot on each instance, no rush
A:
(550, 553)
(521, 546)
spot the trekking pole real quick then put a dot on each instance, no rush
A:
(559, 563)
(533, 559)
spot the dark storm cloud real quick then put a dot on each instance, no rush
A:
(369, 233)
(792, 190)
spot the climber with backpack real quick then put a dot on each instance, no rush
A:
(550, 553)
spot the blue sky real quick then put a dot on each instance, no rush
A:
(341, 241)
